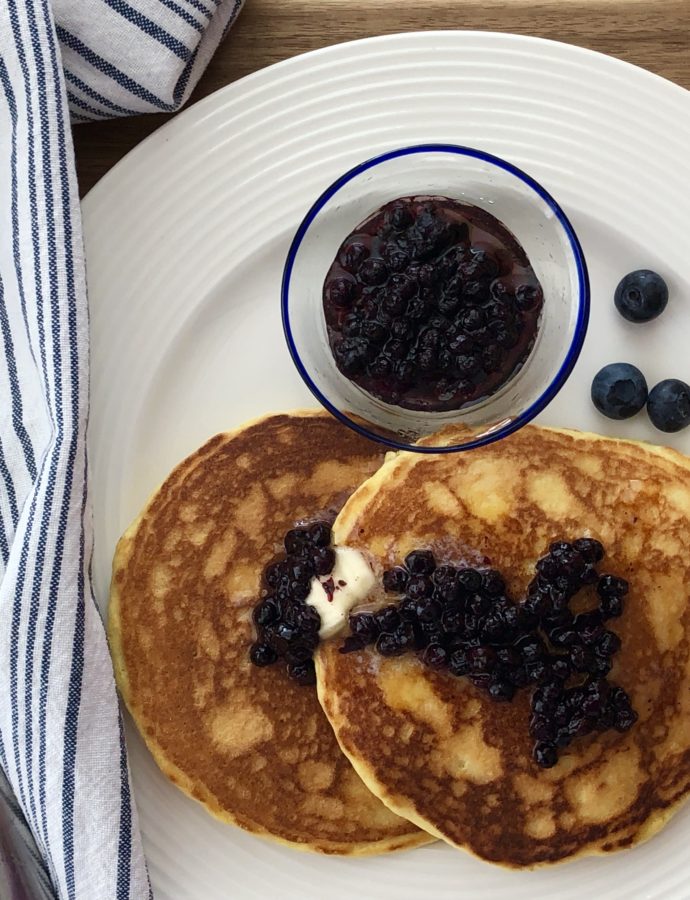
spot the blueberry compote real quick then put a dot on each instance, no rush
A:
(287, 627)
(431, 304)
(461, 620)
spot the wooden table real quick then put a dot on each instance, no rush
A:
(654, 34)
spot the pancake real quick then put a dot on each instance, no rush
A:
(248, 743)
(436, 749)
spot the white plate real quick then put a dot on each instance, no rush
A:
(185, 243)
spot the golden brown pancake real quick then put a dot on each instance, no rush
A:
(248, 743)
(436, 749)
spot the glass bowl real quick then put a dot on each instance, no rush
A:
(471, 176)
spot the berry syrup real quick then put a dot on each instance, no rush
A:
(431, 304)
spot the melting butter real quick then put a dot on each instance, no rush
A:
(334, 595)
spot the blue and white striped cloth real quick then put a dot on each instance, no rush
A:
(61, 741)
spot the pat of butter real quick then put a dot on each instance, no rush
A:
(334, 595)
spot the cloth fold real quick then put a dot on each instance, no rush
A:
(123, 57)
(62, 746)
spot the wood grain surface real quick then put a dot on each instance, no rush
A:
(654, 34)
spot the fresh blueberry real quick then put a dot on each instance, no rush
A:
(641, 296)
(619, 390)
(669, 405)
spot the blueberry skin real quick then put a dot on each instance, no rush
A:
(669, 405)
(641, 296)
(619, 390)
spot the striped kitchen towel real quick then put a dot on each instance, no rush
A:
(61, 742)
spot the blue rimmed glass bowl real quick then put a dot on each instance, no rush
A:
(470, 176)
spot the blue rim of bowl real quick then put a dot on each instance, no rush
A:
(582, 312)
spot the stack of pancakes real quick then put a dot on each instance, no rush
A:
(390, 754)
